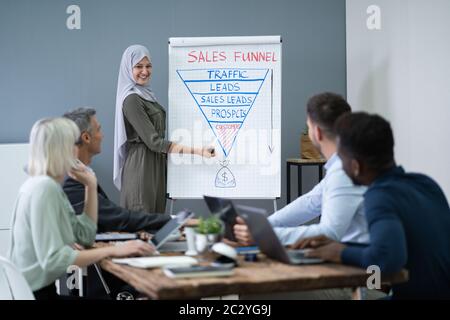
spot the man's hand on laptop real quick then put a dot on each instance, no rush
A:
(312, 242)
(192, 223)
(242, 233)
(144, 236)
(321, 247)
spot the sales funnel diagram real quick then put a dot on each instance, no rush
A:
(225, 97)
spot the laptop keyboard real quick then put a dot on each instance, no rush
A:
(298, 257)
(173, 246)
(296, 254)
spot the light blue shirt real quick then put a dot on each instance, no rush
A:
(336, 200)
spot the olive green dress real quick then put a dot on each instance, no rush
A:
(144, 171)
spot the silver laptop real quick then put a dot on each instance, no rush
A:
(266, 239)
(165, 233)
(173, 246)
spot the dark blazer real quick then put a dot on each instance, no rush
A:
(409, 222)
(112, 217)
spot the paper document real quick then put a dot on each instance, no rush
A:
(157, 262)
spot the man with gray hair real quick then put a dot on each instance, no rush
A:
(111, 217)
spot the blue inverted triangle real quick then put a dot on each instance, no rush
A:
(225, 97)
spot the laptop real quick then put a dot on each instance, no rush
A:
(224, 209)
(266, 239)
(115, 236)
(165, 233)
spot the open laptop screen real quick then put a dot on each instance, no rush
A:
(224, 209)
(164, 233)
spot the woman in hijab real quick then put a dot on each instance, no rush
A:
(140, 147)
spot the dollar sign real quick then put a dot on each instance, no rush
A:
(224, 175)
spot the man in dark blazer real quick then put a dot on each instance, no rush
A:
(111, 217)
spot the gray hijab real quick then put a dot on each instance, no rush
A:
(126, 85)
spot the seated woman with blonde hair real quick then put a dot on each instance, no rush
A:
(45, 229)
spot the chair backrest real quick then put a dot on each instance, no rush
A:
(13, 285)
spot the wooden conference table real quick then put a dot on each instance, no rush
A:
(262, 276)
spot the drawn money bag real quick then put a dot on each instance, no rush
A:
(224, 177)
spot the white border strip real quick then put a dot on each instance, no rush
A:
(213, 41)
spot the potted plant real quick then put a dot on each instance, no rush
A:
(208, 232)
(307, 148)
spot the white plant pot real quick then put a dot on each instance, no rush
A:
(204, 241)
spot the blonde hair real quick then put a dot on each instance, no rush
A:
(52, 143)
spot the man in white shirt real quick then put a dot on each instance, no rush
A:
(335, 199)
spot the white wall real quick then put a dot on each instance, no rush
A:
(13, 158)
(5, 236)
(402, 72)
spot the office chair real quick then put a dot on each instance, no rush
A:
(13, 285)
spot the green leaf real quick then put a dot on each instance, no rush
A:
(211, 225)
